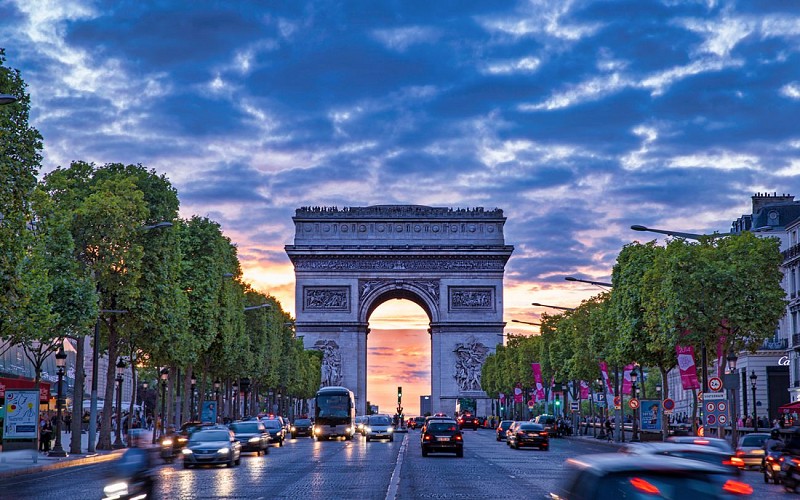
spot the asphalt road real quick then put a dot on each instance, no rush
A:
(354, 469)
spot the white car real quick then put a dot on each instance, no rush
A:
(379, 427)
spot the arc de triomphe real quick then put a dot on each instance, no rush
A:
(448, 261)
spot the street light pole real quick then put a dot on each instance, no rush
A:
(553, 307)
(217, 383)
(753, 380)
(732, 359)
(120, 370)
(7, 99)
(61, 362)
(192, 412)
(595, 283)
(164, 376)
(634, 378)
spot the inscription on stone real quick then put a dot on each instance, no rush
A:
(326, 298)
(467, 298)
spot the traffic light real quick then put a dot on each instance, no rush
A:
(399, 394)
(558, 401)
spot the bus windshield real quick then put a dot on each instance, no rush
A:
(333, 405)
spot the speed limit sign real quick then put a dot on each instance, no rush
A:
(715, 384)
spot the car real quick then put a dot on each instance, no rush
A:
(502, 427)
(187, 429)
(379, 427)
(511, 429)
(751, 448)
(417, 422)
(442, 436)
(301, 427)
(720, 444)
(547, 421)
(434, 418)
(276, 431)
(212, 446)
(529, 434)
(252, 435)
(619, 475)
(707, 454)
(468, 420)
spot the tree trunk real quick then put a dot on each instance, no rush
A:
(186, 402)
(104, 439)
(134, 396)
(665, 394)
(77, 399)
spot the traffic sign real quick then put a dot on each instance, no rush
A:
(573, 406)
(715, 384)
(669, 405)
(633, 403)
(617, 400)
(711, 419)
(713, 396)
(710, 406)
(700, 396)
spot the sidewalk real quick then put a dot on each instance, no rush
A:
(15, 463)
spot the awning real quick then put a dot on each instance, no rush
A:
(790, 408)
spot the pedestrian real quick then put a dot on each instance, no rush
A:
(609, 429)
(67, 422)
(46, 437)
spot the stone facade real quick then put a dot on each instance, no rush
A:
(448, 261)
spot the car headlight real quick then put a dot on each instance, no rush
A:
(293, 429)
(367, 428)
(223, 451)
(390, 429)
(317, 430)
(254, 439)
(186, 451)
(348, 430)
(166, 442)
(182, 440)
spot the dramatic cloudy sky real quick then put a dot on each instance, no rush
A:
(577, 118)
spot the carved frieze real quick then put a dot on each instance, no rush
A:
(326, 298)
(471, 298)
(470, 356)
(430, 287)
(389, 211)
(398, 264)
(331, 362)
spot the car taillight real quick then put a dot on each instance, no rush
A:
(735, 461)
(739, 453)
(543, 434)
(427, 437)
(737, 487)
(644, 486)
(520, 433)
(458, 437)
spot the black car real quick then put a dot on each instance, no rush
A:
(689, 451)
(618, 475)
(301, 427)
(442, 436)
(417, 422)
(276, 431)
(468, 420)
(529, 434)
(252, 435)
(502, 428)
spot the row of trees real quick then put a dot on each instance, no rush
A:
(104, 247)
(716, 291)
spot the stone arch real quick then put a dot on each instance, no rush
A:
(450, 262)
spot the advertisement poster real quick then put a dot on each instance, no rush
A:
(651, 414)
(536, 369)
(22, 415)
(687, 368)
(209, 413)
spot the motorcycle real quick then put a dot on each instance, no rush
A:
(790, 471)
(771, 466)
(171, 446)
(131, 476)
(138, 489)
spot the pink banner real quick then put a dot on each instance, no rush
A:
(518, 394)
(627, 385)
(687, 367)
(584, 389)
(536, 368)
(502, 398)
(604, 372)
(721, 357)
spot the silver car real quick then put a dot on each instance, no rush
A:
(379, 427)
(212, 445)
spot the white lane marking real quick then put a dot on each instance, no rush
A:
(394, 482)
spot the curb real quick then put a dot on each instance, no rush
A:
(63, 464)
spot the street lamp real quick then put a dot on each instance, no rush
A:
(235, 398)
(753, 380)
(164, 377)
(191, 400)
(145, 385)
(595, 283)
(525, 322)
(732, 360)
(217, 383)
(7, 99)
(553, 307)
(245, 384)
(602, 434)
(120, 370)
(634, 378)
(61, 362)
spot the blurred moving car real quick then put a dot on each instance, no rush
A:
(512, 429)
(417, 422)
(360, 424)
(720, 444)
(502, 427)
(301, 427)
(702, 453)
(252, 435)
(548, 421)
(379, 427)
(751, 448)
(442, 436)
(276, 431)
(212, 445)
(529, 434)
(617, 476)
(468, 420)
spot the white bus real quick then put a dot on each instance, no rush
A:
(334, 413)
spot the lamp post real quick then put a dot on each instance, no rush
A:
(245, 384)
(664, 417)
(753, 380)
(192, 411)
(525, 322)
(145, 385)
(553, 307)
(120, 370)
(217, 383)
(235, 398)
(602, 433)
(634, 378)
(164, 377)
(732, 360)
(61, 362)
(7, 99)
(595, 283)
